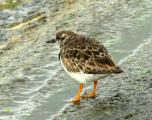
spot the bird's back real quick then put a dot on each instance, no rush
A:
(81, 53)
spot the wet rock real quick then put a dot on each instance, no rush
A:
(30, 73)
(128, 103)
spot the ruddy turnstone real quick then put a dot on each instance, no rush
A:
(84, 59)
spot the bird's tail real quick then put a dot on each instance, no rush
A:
(118, 70)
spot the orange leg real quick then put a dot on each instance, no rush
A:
(93, 93)
(77, 98)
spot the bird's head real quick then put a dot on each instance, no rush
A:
(62, 37)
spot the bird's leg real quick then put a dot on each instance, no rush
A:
(93, 93)
(77, 98)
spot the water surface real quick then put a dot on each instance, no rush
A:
(33, 83)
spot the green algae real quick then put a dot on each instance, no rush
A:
(9, 4)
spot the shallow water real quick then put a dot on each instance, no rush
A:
(34, 85)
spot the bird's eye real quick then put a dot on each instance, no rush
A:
(57, 37)
(62, 37)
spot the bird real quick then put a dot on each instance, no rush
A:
(84, 59)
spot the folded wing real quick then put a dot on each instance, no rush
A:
(91, 58)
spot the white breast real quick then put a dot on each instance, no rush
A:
(82, 77)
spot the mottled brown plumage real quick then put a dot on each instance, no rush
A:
(80, 53)
(84, 59)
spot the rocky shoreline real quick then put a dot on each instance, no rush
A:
(129, 98)
(29, 68)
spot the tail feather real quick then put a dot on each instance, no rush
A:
(118, 70)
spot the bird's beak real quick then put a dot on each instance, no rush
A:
(51, 41)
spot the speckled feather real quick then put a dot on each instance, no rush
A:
(81, 53)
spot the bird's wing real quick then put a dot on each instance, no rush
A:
(91, 58)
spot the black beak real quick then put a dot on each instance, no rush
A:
(51, 41)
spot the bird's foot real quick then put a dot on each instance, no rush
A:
(89, 95)
(76, 100)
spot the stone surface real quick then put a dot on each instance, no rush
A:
(33, 84)
(128, 98)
